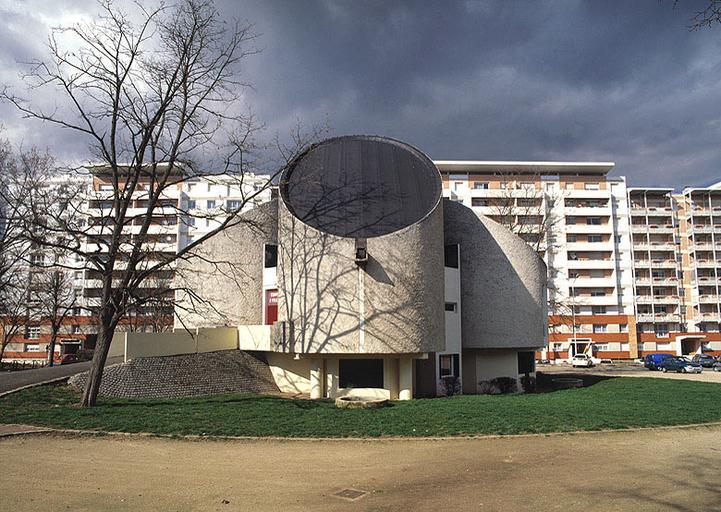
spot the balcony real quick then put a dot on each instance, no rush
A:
(708, 299)
(660, 228)
(589, 228)
(708, 317)
(698, 228)
(663, 263)
(592, 211)
(591, 264)
(657, 317)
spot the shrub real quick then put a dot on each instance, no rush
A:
(497, 386)
(85, 354)
(451, 385)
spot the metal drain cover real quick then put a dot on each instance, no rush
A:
(350, 494)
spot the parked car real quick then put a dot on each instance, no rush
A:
(582, 360)
(69, 359)
(653, 361)
(679, 364)
(717, 367)
(704, 360)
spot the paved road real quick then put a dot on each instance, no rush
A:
(629, 370)
(14, 380)
(623, 471)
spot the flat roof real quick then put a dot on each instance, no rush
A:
(539, 167)
(661, 190)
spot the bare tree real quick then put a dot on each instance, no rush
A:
(528, 210)
(53, 299)
(160, 102)
(13, 308)
(707, 17)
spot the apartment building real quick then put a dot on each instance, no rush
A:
(187, 210)
(576, 217)
(676, 242)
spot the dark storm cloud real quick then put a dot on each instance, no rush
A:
(621, 81)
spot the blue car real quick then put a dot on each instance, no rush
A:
(679, 364)
(653, 361)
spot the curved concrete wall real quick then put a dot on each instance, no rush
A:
(227, 276)
(503, 283)
(394, 305)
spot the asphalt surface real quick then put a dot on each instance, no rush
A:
(629, 370)
(17, 379)
(652, 470)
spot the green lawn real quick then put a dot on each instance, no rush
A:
(609, 404)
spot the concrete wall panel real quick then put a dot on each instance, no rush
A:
(392, 305)
(503, 283)
(226, 277)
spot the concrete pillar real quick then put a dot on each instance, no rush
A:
(316, 378)
(405, 378)
(390, 376)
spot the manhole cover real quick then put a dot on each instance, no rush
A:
(350, 494)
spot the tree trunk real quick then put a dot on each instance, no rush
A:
(100, 355)
(51, 347)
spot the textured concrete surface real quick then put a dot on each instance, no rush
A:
(14, 380)
(398, 295)
(503, 283)
(662, 470)
(186, 375)
(227, 275)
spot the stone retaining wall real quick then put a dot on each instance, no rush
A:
(185, 375)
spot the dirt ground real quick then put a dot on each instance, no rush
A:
(673, 469)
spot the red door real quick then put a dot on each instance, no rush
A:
(271, 306)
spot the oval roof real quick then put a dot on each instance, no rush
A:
(361, 186)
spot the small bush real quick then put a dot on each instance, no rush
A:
(85, 354)
(498, 386)
(451, 385)
(528, 383)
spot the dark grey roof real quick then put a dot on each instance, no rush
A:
(361, 186)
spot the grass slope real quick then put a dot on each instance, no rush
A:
(610, 404)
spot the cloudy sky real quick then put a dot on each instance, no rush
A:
(509, 80)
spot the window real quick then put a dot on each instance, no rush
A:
(574, 274)
(526, 362)
(451, 306)
(271, 256)
(600, 328)
(619, 239)
(234, 204)
(591, 186)
(457, 185)
(360, 373)
(211, 204)
(480, 185)
(598, 293)
(75, 329)
(451, 255)
(479, 201)
(601, 347)
(571, 238)
(569, 186)
(448, 365)
(593, 221)
(33, 333)
(504, 185)
(598, 310)
(573, 256)
(191, 204)
(190, 221)
(595, 239)
(623, 327)
(32, 347)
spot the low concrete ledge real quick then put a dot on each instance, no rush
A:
(360, 402)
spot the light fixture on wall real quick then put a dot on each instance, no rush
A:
(361, 252)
